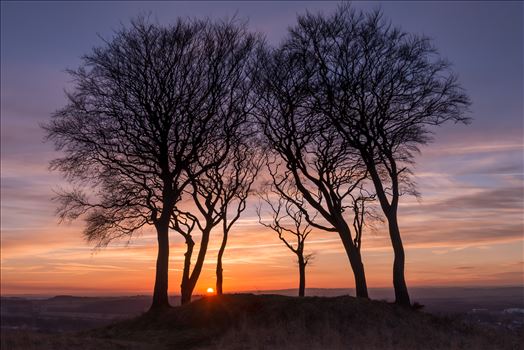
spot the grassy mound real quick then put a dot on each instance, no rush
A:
(246, 321)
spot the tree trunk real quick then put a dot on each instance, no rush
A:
(219, 271)
(358, 271)
(220, 277)
(302, 273)
(184, 286)
(399, 282)
(186, 293)
(355, 259)
(160, 296)
(189, 283)
(390, 210)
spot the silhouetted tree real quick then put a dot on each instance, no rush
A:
(145, 108)
(185, 222)
(298, 230)
(236, 182)
(382, 89)
(310, 154)
(225, 185)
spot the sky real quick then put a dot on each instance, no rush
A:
(465, 230)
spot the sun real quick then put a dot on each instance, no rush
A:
(210, 290)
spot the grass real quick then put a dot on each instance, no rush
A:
(247, 321)
(23, 340)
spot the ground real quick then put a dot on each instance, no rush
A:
(246, 321)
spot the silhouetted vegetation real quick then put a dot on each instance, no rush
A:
(236, 182)
(310, 160)
(297, 230)
(381, 89)
(168, 126)
(224, 186)
(151, 111)
(278, 322)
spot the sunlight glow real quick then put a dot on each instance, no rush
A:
(210, 290)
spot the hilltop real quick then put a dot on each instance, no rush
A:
(246, 321)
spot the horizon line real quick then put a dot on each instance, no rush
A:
(135, 294)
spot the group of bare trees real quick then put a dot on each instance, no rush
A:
(159, 117)
(170, 126)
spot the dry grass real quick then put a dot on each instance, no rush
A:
(348, 323)
(23, 340)
(278, 322)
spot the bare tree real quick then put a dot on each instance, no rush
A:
(224, 186)
(145, 109)
(310, 155)
(235, 183)
(298, 230)
(382, 89)
(185, 222)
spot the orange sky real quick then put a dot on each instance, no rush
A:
(459, 233)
